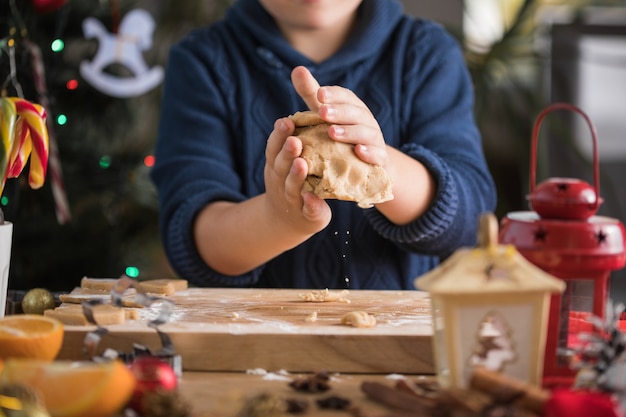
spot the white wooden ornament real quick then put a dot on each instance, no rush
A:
(125, 48)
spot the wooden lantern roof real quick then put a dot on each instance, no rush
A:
(488, 268)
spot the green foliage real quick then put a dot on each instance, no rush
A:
(507, 84)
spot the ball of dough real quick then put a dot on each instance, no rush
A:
(358, 319)
(335, 171)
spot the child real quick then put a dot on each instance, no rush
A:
(228, 170)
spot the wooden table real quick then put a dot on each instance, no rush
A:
(239, 329)
(222, 394)
(237, 344)
(224, 334)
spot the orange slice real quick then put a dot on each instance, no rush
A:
(30, 336)
(74, 389)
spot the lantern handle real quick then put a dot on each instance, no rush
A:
(594, 136)
(487, 231)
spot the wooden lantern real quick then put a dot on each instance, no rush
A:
(490, 308)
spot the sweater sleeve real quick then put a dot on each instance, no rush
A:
(440, 132)
(194, 162)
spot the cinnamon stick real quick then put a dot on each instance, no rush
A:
(399, 400)
(506, 389)
(360, 412)
(405, 386)
(465, 402)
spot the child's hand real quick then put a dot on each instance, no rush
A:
(285, 173)
(351, 120)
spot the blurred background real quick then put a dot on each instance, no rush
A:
(97, 213)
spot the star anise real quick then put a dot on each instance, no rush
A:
(318, 382)
(334, 403)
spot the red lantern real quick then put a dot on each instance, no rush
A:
(46, 6)
(580, 403)
(564, 237)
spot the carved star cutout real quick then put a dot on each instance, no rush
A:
(601, 237)
(562, 187)
(541, 234)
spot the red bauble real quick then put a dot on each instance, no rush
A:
(579, 403)
(46, 6)
(153, 375)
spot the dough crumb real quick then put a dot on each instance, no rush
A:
(256, 371)
(311, 318)
(358, 319)
(325, 295)
(235, 316)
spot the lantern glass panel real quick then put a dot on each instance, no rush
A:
(582, 295)
(577, 302)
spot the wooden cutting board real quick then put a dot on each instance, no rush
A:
(242, 329)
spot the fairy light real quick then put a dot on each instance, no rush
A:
(4, 200)
(71, 84)
(149, 161)
(132, 271)
(105, 162)
(57, 45)
(61, 119)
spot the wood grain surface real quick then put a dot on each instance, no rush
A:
(241, 329)
(223, 394)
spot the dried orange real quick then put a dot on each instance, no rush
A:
(74, 388)
(30, 336)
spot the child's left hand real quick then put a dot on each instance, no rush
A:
(351, 120)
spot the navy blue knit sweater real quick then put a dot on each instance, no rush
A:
(226, 85)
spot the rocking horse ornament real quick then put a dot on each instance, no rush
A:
(124, 48)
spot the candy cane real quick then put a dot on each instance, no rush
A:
(24, 134)
(61, 204)
(34, 117)
(8, 120)
(20, 150)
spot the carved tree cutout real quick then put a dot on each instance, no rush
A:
(494, 346)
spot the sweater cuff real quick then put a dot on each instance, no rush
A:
(439, 216)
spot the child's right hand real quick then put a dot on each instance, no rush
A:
(285, 174)
(350, 119)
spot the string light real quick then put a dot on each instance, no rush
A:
(105, 162)
(149, 161)
(61, 119)
(4, 200)
(132, 271)
(72, 84)
(57, 45)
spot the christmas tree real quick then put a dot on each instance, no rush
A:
(96, 67)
